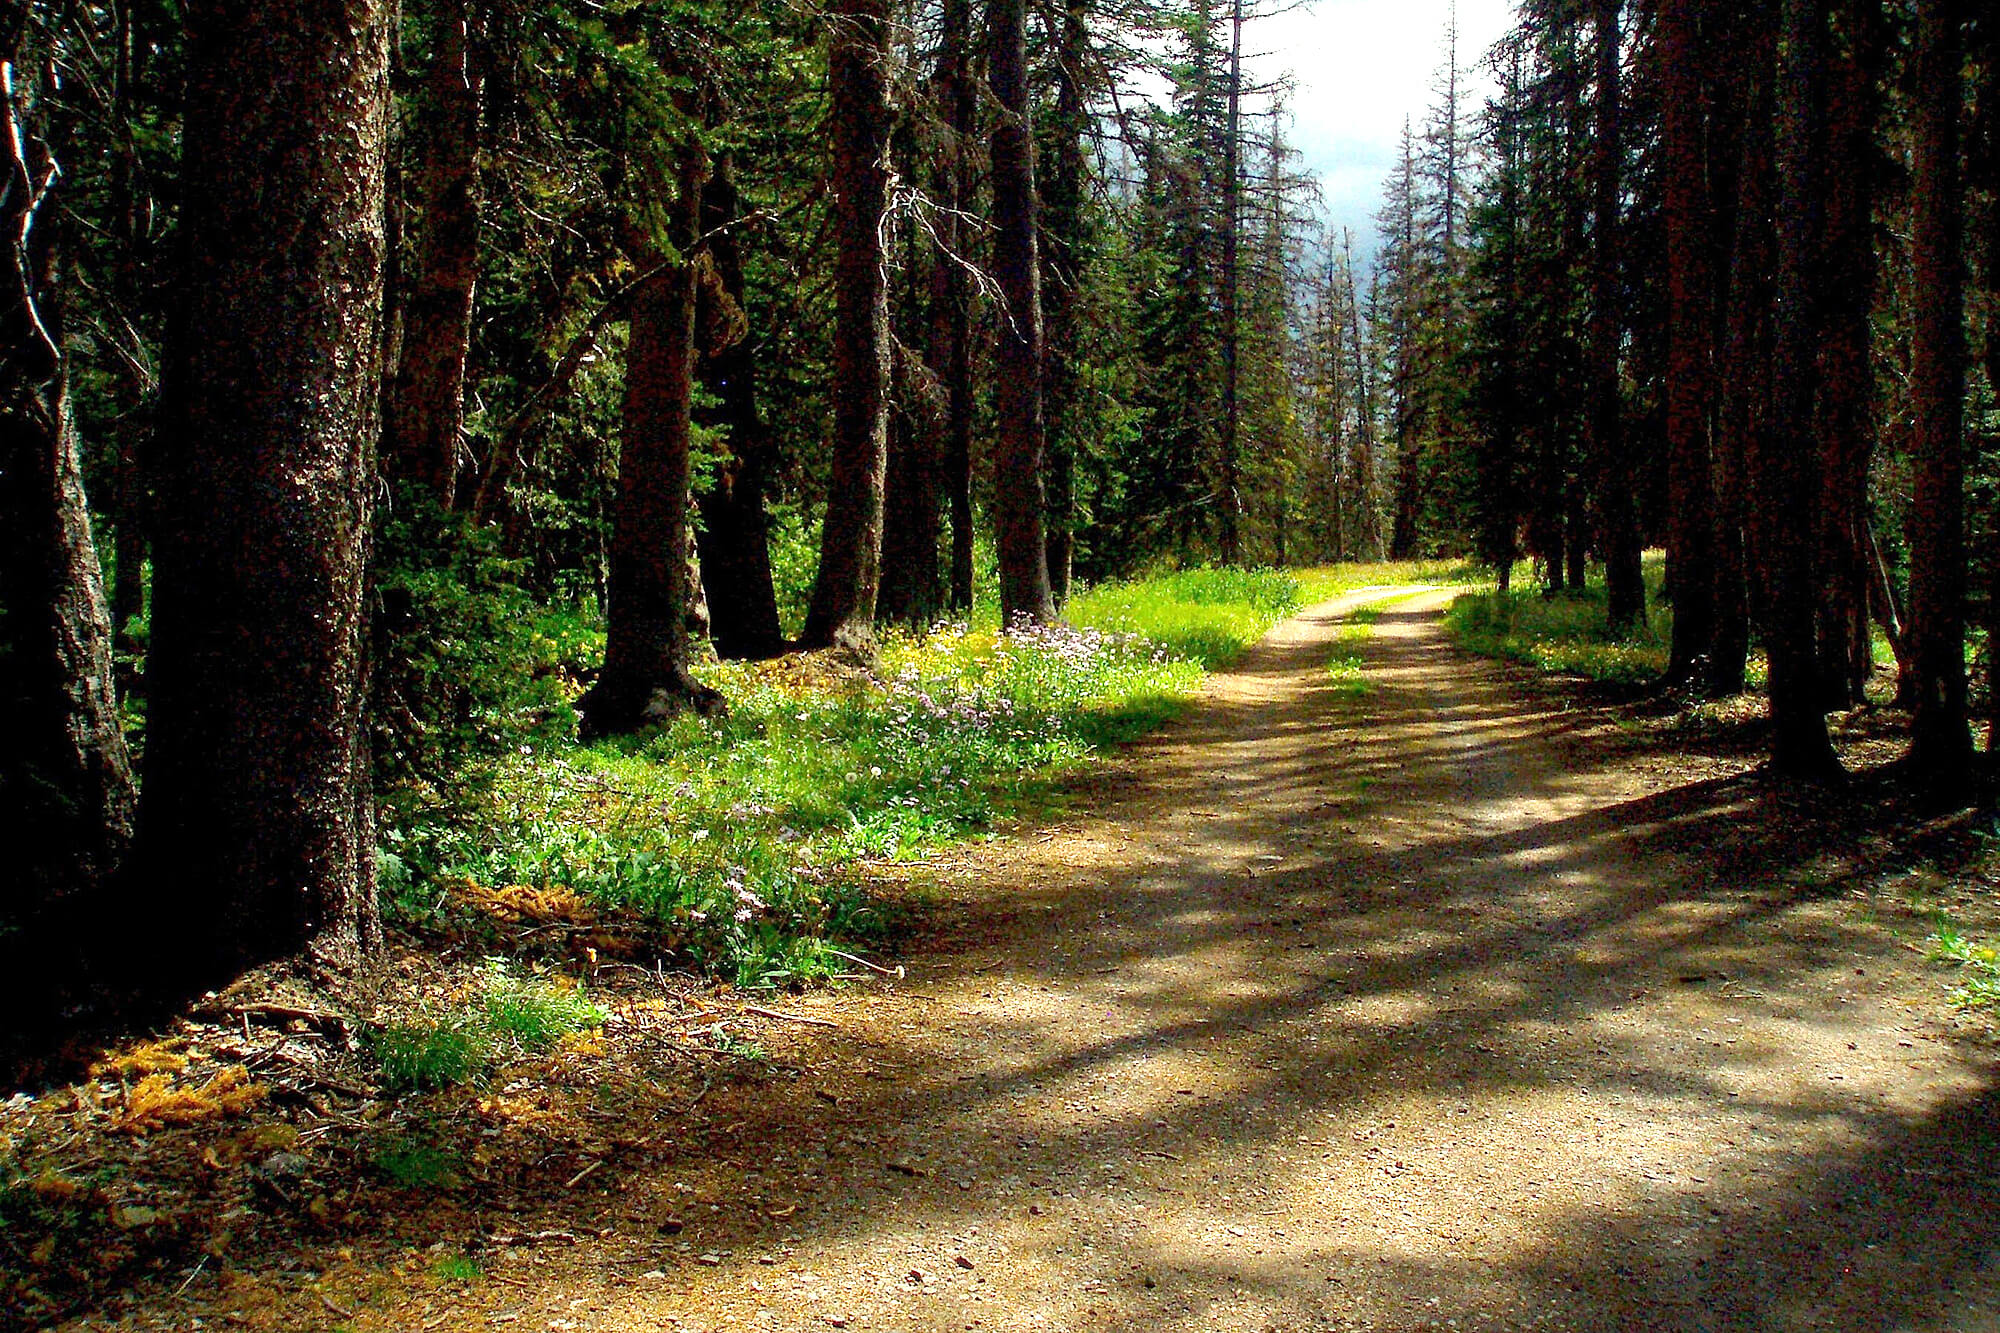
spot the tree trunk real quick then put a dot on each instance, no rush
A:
(1576, 536)
(1744, 412)
(1231, 499)
(1062, 228)
(645, 679)
(1940, 743)
(65, 776)
(1409, 460)
(951, 290)
(1366, 493)
(255, 826)
(842, 613)
(1987, 177)
(1617, 515)
(1690, 492)
(1018, 499)
(1847, 400)
(425, 407)
(137, 391)
(912, 591)
(1784, 471)
(735, 536)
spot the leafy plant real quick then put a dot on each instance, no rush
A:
(409, 1162)
(510, 1016)
(1980, 988)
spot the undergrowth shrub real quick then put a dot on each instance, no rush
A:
(1566, 632)
(470, 665)
(509, 1016)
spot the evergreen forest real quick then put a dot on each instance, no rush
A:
(880, 607)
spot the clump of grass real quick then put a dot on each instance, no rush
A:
(409, 1162)
(1348, 679)
(509, 1017)
(423, 1055)
(1345, 663)
(1980, 964)
(1566, 633)
(526, 1017)
(1208, 616)
(459, 1268)
(725, 1044)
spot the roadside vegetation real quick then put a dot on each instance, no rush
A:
(734, 845)
(1567, 631)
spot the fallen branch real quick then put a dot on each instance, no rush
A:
(896, 972)
(532, 1238)
(789, 1018)
(287, 1013)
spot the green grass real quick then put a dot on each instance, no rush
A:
(1329, 581)
(1345, 664)
(510, 1016)
(1567, 632)
(457, 1268)
(1979, 964)
(426, 1054)
(408, 1162)
(1207, 616)
(741, 840)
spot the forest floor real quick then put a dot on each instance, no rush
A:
(1414, 994)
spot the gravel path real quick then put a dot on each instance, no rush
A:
(1417, 1009)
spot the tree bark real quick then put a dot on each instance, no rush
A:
(912, 589)
(1617, 515)
(1940, 743)
(1744, 411)
(255, 826)
(645, 679)
(1690, 351)
(842, 613)
(735, 536)
(1985, 175)
(1847, 399)
(1017, 392)
(1784, 471)
(951, 291)
(1231, 499)
(1366, 490)
(1062, 263)
(424, 411)
(65, 776)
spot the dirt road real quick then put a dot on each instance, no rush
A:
(1412, 1009)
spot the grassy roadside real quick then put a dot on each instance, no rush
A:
(735, 845)
(1567, 632)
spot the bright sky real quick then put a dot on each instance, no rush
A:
(1358, 67)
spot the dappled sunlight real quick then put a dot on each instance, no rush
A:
(1334, 1015)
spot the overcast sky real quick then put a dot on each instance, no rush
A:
(1358, 67)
